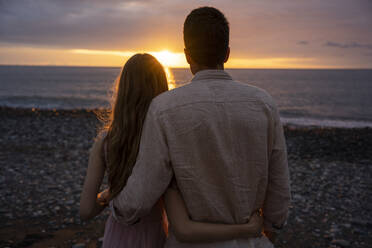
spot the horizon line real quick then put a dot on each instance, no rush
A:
(241, 68)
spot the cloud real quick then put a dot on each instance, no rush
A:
(302, 42)
(348, 45)
(261, 29)
(118, 24)
(109, 24)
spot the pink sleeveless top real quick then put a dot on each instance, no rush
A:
(148, 232)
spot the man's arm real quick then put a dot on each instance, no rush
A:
(150, 177)
(275, 209)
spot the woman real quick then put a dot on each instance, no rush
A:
(115, 152)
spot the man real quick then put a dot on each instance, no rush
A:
(221, 140)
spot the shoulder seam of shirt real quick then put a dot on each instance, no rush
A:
(163, 111)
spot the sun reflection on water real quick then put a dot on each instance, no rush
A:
(170, 78)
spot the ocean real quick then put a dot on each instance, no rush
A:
(335, 98)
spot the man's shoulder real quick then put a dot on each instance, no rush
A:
(192, 93)
(172, 98)
(256, 93)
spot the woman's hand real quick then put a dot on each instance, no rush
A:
(254, 228)
(103, 198)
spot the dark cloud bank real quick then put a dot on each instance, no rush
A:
(348, 45)
(267, 28)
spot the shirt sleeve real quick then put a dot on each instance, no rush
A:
(275, 210)
(150, 177)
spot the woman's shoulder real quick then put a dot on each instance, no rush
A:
(100, 139)
(101, 136)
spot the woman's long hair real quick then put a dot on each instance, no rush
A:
(141, 79)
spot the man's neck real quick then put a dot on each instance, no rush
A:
(196, 68)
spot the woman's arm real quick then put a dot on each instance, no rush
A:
(89, 207)
(186, 230)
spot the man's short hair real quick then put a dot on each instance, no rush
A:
(206, 36)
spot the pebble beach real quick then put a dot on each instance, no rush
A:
(44, 155)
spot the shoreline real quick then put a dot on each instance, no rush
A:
(44, 154)
(299, 122)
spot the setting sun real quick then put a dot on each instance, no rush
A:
(169, 59)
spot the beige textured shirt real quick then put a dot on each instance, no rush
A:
(223, 142)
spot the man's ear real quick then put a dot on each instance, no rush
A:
(188, 58)
(227, 55)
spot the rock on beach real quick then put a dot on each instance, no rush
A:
(44, 155)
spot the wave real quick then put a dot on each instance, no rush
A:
(306, 121)
(59, 102)
(75, 103)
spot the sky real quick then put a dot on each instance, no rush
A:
(263, 33)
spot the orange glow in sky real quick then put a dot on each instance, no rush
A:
(263, 34)
(167, 57)
(170, 59)
(177, 60)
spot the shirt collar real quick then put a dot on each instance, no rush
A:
(211, 74)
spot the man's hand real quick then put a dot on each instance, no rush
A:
(103, 198)
(253, 229)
